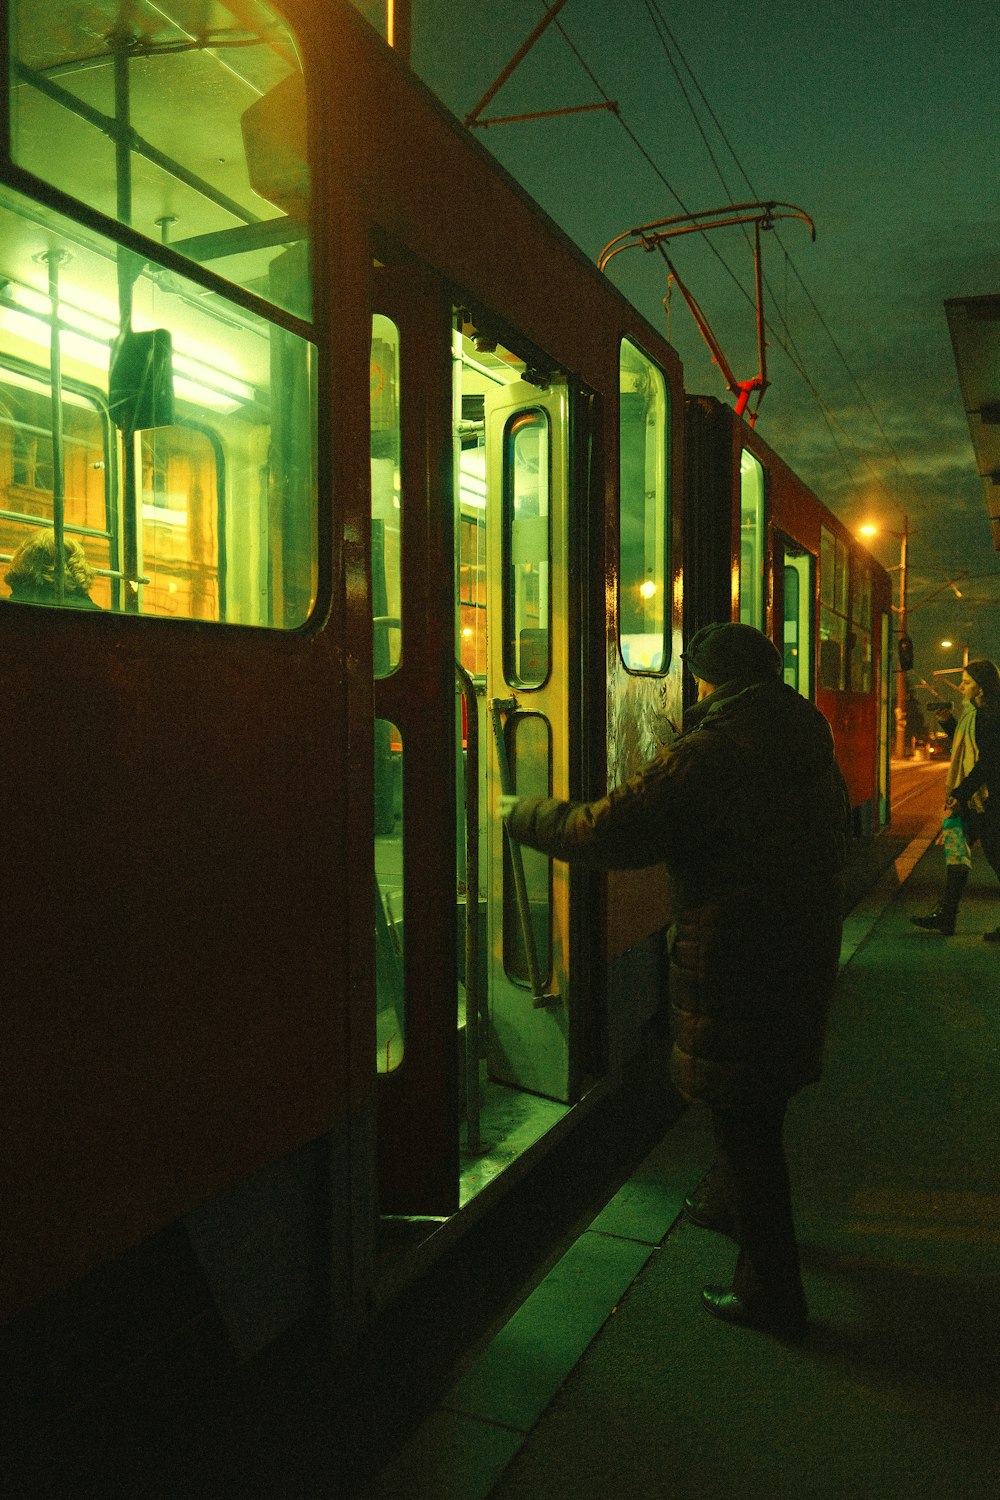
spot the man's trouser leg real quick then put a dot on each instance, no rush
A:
(750, 1157)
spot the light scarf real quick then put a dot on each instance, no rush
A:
(964, 754)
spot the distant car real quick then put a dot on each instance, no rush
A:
(938, 747)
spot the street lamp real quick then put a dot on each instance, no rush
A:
(948, 646)
(904, 644)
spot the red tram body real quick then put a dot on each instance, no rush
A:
(353, 435)
(762, 548)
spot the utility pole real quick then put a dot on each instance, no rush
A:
(904, 647)
(399, 27)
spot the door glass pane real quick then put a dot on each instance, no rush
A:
(390, 1006)
(186, 122)
(798, 632)
(529, 740)
(751, 540)
(643, 512)
(386, 495)
(526, 547)
(178, 453)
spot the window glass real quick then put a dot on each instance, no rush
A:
(472, 592)
(529, 746)
(390, 1007)
(798, 623)
(841, 577)
(861, 666)
(643, 527)
(793, 663)
(186, 122)
(827, 567)
(177, 452)
(526, 548)
(386, 497)
(833, 631)
(751, 540)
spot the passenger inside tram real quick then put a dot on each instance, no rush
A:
(33, 575)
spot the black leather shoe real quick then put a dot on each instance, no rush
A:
(939, 920)
(707, 1216)
(730, 1308)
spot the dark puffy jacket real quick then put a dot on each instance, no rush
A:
(750, 814)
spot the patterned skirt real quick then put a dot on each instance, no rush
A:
(957, 850)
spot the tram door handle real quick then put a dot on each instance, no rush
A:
(539, 994)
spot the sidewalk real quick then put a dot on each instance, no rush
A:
(610, 1380)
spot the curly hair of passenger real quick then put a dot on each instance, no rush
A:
(986, 676)
(34, 564)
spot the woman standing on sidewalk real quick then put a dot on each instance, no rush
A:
(969, 811)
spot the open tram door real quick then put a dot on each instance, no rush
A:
(471, 631)
(512, 426)
(527, 733)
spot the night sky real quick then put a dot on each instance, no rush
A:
(882, 122)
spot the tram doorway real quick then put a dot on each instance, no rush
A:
(500, 1075)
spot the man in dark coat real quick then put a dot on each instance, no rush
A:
(749, 812)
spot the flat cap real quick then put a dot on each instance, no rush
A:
(719, 653)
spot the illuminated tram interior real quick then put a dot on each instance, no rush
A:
(163, 424)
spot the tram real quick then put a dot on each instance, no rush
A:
(389, 503)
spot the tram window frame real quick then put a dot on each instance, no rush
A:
(649, 581)
(387, 497)
(516, 645)
(753, 534)
(834, 618)
(274, 571)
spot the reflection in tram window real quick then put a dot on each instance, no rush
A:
(390, 1006)
(101, 100)
(386, 497)
(180, 451)
(643, 512)
(530, 750)
(833, 611)
(752, 521)
(527, 548)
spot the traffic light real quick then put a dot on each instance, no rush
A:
(905, 648)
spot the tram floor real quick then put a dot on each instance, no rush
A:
(511, 1122)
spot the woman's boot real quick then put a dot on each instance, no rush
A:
(942, 918)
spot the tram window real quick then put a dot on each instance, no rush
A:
(643, 517)
(386, 495)
(751, 540)
(472, 599)
(185, 122)
(526, 541)
(181, 454)
(529, 746)
(390, 1008)
(833, 625)
(860, 676)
